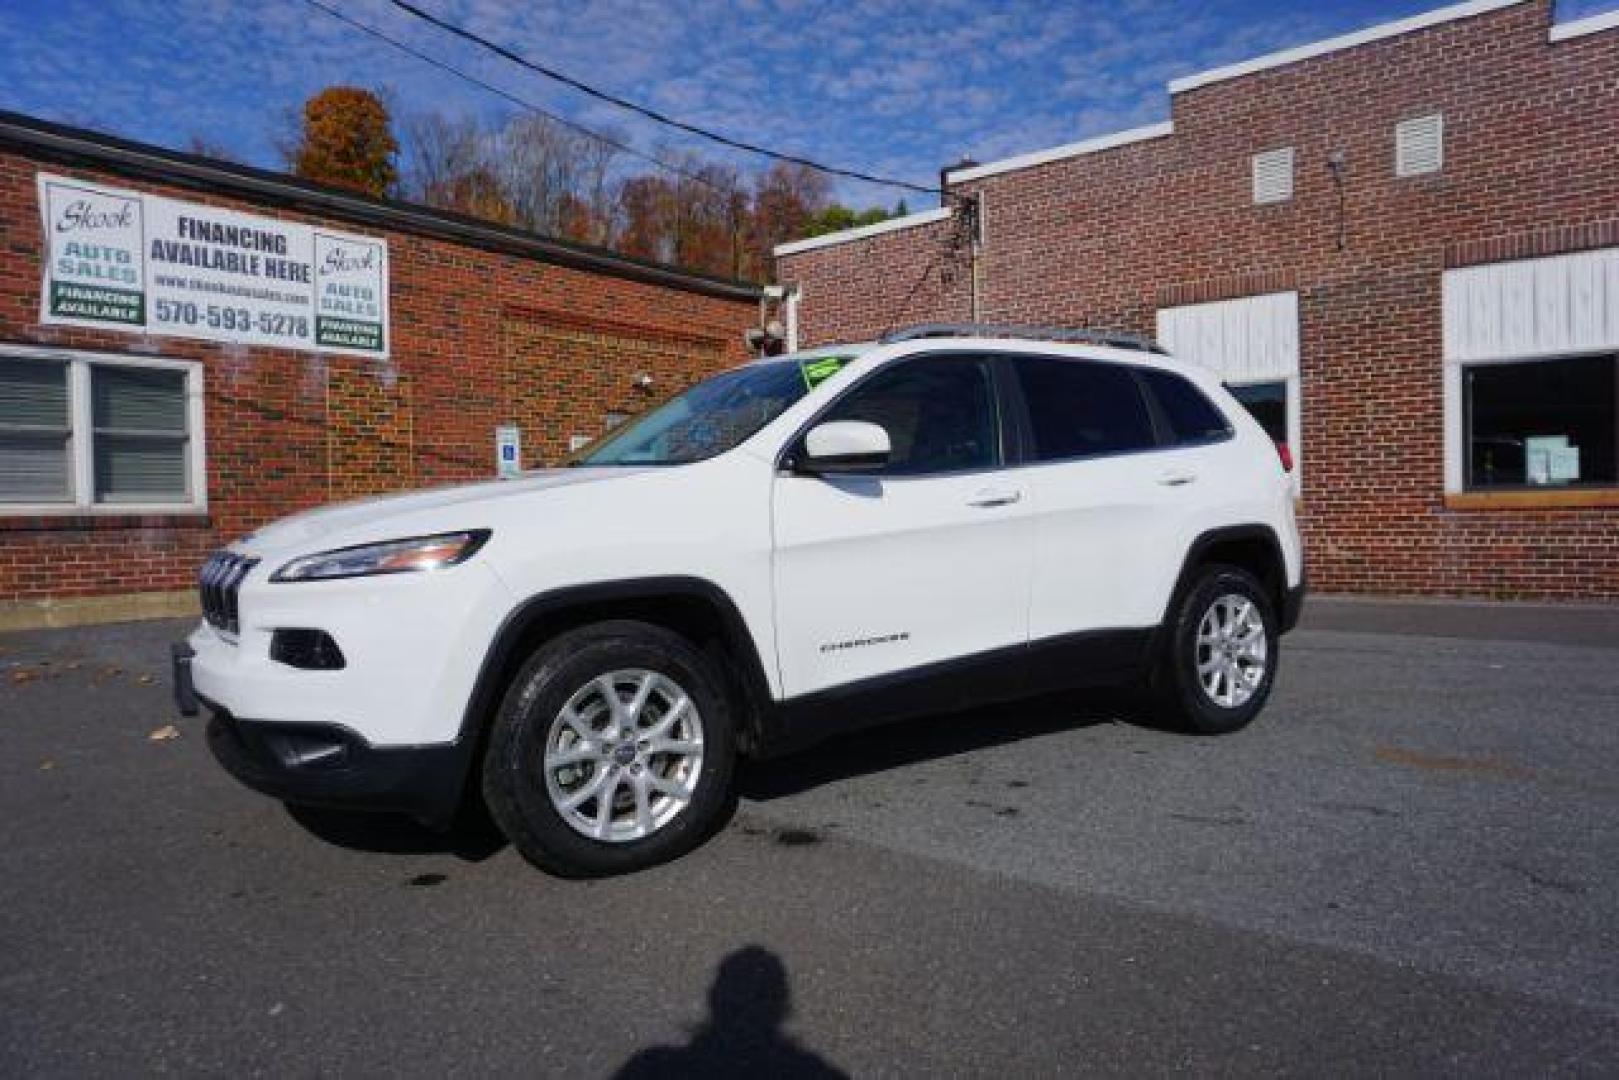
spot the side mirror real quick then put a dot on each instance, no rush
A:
(844, 446)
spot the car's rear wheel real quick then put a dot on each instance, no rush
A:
(612, 751)
(1218, 663)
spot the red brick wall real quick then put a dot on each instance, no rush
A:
(289, 430)
(1106, 239)
(859, 290)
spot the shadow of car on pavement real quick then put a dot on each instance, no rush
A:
(474, 837)
(935, 736)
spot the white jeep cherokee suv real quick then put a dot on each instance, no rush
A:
(799, 546)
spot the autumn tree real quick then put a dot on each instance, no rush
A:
(786, 198)
(558, 178)
(345, 139)
(645, 206)
(697, 217)
(550, 178)
(451, 167)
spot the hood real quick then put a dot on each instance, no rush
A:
(381, 518)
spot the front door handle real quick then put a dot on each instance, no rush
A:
(995, 497)
(1177, 477)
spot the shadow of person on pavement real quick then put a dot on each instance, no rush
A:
(742, 1036)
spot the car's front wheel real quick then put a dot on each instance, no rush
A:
(612, 751)
(1218, 661)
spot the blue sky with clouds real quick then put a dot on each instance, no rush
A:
(896, 87)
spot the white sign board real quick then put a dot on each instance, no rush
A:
(124, 260)
(1549, 459)
(508, 452)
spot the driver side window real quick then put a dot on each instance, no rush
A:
(939, 414)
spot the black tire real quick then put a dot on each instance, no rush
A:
(514, 778)
(1176, 686)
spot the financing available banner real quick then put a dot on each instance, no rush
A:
(124, 260)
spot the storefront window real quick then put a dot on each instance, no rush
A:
(1542, 423)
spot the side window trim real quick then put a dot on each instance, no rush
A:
(1163, 433)
(1017, 442)
(794, 446)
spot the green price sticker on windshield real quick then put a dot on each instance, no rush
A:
(817, 372)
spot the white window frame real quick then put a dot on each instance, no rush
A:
(1546, 308)
(81, 454)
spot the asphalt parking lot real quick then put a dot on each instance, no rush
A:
(1410, 864)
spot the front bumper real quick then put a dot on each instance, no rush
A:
(326, 765)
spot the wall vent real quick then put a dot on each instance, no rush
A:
(1419, 145)
(1273, 176)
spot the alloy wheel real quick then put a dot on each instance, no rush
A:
(623, 756)
(1232, 650)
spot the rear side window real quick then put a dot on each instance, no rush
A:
(1082, 408)
(1192, 418)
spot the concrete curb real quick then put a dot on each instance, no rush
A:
(89, 610)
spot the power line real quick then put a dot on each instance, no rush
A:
(653, 114)
(955, 240)
(607, 140)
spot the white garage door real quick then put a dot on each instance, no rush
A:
(1533, 307)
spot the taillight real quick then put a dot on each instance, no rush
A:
(1285, 452)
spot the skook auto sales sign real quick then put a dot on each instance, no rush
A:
(123, 260)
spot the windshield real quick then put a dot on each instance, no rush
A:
(713, 416)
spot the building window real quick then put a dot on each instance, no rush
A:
(1419, 145)
(1273, 176)
(1267, 402)
(35, 433)
(80, 432)
(1542, 423)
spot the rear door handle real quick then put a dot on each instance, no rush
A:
(1177, 477)
(990, 497)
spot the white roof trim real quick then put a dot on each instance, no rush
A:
(1345, 41)
(909, 221)
(1607, 20)
(1057, 153)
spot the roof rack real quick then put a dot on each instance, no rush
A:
(1110, 338)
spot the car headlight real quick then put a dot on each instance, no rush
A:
(388, 557)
